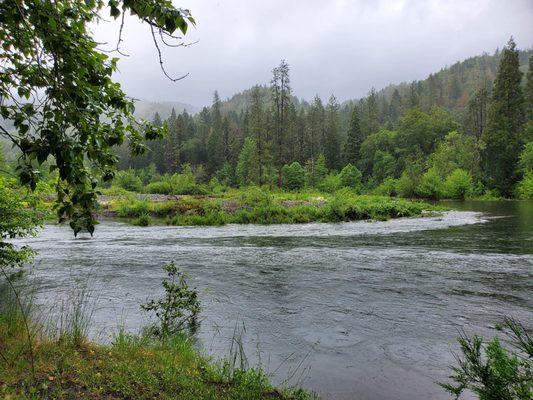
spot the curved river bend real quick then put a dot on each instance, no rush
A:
(353, 310)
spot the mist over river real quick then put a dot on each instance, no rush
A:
(364, 310)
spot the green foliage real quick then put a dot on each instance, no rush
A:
(418, 132)
(48, 48)
(316, 171)
(247, 165)
(408, 181)
(159, 187)
(18, 218)
(456, 151)
(373, 150)
(135, 367)
(526, 157)
(458, 184)
(293, 176)
(142, 220)
(354, 139)
(330, 183)
(506, 117)
(178, 309)
(128, 180)
(431, 185)
(524, 188)
(350, 177)
(389, 187)
(493, 372)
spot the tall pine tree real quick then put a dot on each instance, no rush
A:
(332, 145)
(354, 139)
(501, 139)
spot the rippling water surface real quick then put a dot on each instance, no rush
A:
(365, 310)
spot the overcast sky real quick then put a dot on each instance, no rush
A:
(344, 47)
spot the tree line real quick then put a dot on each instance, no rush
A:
(407, 140)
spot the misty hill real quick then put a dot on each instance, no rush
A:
(146, 109)
(450, 88)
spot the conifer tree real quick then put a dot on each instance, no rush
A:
(315, 127)
(258, 130)
(506, 117)
(247, 171)
(371, 114)
(214, 141)
(354, 139)
(529, 90)
(281, 97)
(332, 145)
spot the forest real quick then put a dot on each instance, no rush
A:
(465, 131)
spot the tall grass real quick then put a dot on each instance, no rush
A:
(67, 365)
(258, 206)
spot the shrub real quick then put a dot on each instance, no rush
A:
(458, 184)
(315, 172)
(526, 157)
(350, 177)
(431, 185)
(493, 372)
(293, 176)
(130, 208)
(178, 308)
(128, 180)
(406, 185)
(142, 220)
(524, 188)
(330, 183)
(387, 188)
(160, 187)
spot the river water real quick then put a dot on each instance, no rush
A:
(362, 310)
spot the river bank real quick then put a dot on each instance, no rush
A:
(41, 361)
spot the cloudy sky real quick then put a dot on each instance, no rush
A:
(344, 47)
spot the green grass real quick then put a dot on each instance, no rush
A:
(246, 206)
(68, 366)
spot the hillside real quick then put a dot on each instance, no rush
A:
(146, 109)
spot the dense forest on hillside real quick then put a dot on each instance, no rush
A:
(439, 137)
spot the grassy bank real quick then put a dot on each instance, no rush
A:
(263, 207)
(65, 365)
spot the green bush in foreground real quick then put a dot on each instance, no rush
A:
(524, 188)
(493, 372)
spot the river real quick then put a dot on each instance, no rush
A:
(364, 310)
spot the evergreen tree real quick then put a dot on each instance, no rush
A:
(412, 99)
(215, 147)
(247, 171)
(529, 90)
(315, 127)
(371, 119)
(258, 130)
(395, 106)
(477, 110)
(506, 116)
(332, 145)
(354, 139)
(281, 93)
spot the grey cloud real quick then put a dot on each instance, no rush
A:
(342, 47)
